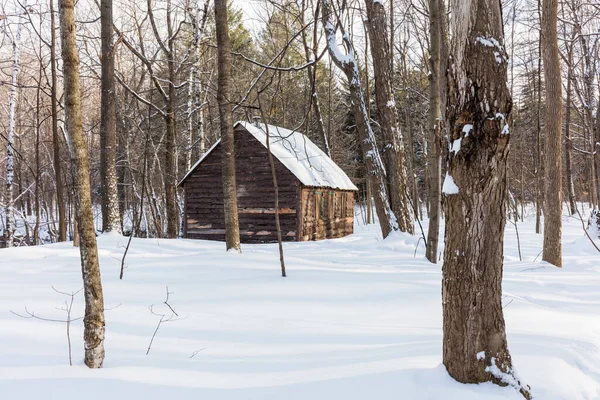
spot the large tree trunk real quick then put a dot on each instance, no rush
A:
(60, 201)
(479, 105)
(232, 229)
(93, 321)
(437, 21)
(108, 125)
(393, 153)
(374, 164)
(552, 251)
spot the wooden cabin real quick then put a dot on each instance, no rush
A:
(316, 198)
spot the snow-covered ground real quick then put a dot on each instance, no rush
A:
(356, 318)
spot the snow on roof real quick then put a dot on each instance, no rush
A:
(297, 153)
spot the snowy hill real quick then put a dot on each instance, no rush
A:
(356, 318)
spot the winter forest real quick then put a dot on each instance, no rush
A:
(300, 199)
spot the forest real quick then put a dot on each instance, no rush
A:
(295, 192)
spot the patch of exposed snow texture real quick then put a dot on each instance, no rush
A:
(332, 43)
(466, 129)
(449, 186)
(357, 318)
(455, 147)
(391, 103)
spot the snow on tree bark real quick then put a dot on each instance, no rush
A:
(93, 321)
(393, 149)
(10, 151)
(479, 105)
(373, 162)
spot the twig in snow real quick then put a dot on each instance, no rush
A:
(67, 308)
(196, 352)
(173, 316)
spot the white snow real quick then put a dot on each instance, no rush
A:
(467, 129)
(449, 187)
(455, 146)
(357, 318)
(298, 153)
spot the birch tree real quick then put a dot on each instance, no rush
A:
(10, 150)
(93, 321)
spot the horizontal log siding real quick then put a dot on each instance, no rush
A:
(326, 213)
(204, 196)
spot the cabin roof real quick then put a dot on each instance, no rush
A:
(297, 153)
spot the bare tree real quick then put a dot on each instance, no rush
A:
(437, 29)
(552, 251)
(479, 105)
(62, 223)
(93, 320)
(348, 64)
(10, 150)
(393, 153)
(108, 125)
(232, 228)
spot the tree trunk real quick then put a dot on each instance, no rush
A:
(393, 153)
(539, 187)
(568, 143)
(311, 71)
(111, 218)
(434, 137)
(170, 156)
(10, 151)
(232, 228)
(475, 347)
(552, 251)
(60, 200)
(93, 321)
(375, 168)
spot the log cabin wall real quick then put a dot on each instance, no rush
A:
(204, 215)
(326, 213)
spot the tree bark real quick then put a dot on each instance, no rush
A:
(479, 105)
(9, 210)
(434, 137)
(232, 228)
(93, 321)
(568, 143)
(393, 153)
(111, 217)
(552, 251)
(375, 168)
(60, 200)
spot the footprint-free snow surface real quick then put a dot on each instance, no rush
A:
(356, 318)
